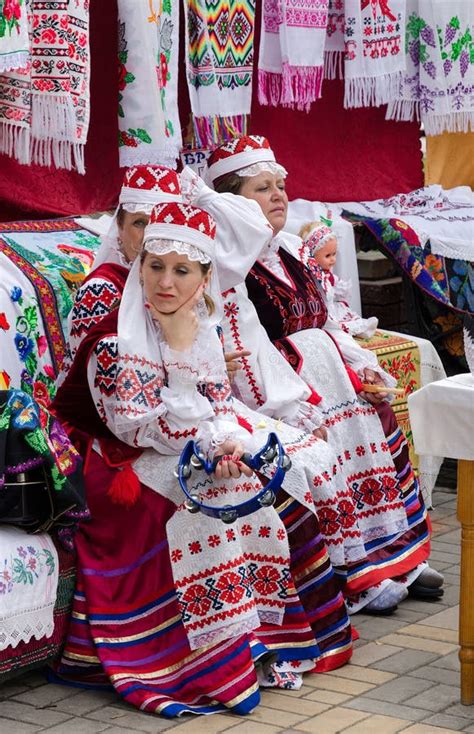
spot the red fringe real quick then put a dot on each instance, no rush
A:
(125, 488)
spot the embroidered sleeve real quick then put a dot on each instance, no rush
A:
(242, 229)
(94, 300)
(176, 407)
(302, 415)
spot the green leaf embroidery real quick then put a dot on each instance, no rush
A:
(129, 77)
(166, 6)
(31, 364)
(143, 135)
(31, 316)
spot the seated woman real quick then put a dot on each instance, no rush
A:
(290, 303)
(182, 613)
(143, 187)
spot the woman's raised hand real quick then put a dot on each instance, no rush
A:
(180, 327)
(230, 466)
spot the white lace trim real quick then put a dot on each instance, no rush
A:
(163, 247)
(262, 167)
(25, 625)
(134, 208)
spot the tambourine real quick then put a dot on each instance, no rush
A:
(272, 454)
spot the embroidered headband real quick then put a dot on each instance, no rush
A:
(239, 154)
(318, 237)
(182, 223)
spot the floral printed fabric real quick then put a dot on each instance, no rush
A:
(14, 45)
(44, 108)
(28, 584)
(42, 265)
(149, 128)
(448, 281)
(438, 84)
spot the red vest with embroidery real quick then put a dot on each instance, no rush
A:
(283, 310)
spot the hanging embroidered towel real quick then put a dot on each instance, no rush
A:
(14, 43)
(149, 129)
(334, 48)
(374, 51)
(438, 85)
(219, 63)
(291, 63)
(44, 108)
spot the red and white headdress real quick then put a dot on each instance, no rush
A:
(248, 155)
(181, 228)
(143, 187)
(318, 237)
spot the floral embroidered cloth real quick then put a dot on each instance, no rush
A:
(28, 584)
(42, 265)
(44, 108)
(219, 60)
(438, 82)
(149, 127)
(374, 35)
(14, 45)
(448, 281)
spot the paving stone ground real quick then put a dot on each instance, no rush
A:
(404, 677)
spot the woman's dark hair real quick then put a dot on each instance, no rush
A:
(205, 268)
(229, 184)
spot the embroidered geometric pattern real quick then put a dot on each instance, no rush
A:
(221, 43)
(106, 352)
(152, 178)
(96, 299)
(184, 215)
(242, 144)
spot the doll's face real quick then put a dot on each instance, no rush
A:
(131, 227)
(326, 256)
(268, 190)
(170, 280)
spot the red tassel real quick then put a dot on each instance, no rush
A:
(125, 488)
(354, 378)
(314, 398)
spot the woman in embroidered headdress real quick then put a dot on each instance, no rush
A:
(180, 612)
(143, 187)
(291, 308)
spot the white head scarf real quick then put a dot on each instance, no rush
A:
(189, 231)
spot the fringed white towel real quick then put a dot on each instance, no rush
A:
(14, 44)
(374, 51)
(44, 108)
(28, 586)
(149, 129)
(334, 49)
(219, 67)
(438, 84)
(291, 63)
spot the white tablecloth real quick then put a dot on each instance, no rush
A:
(442, 418)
